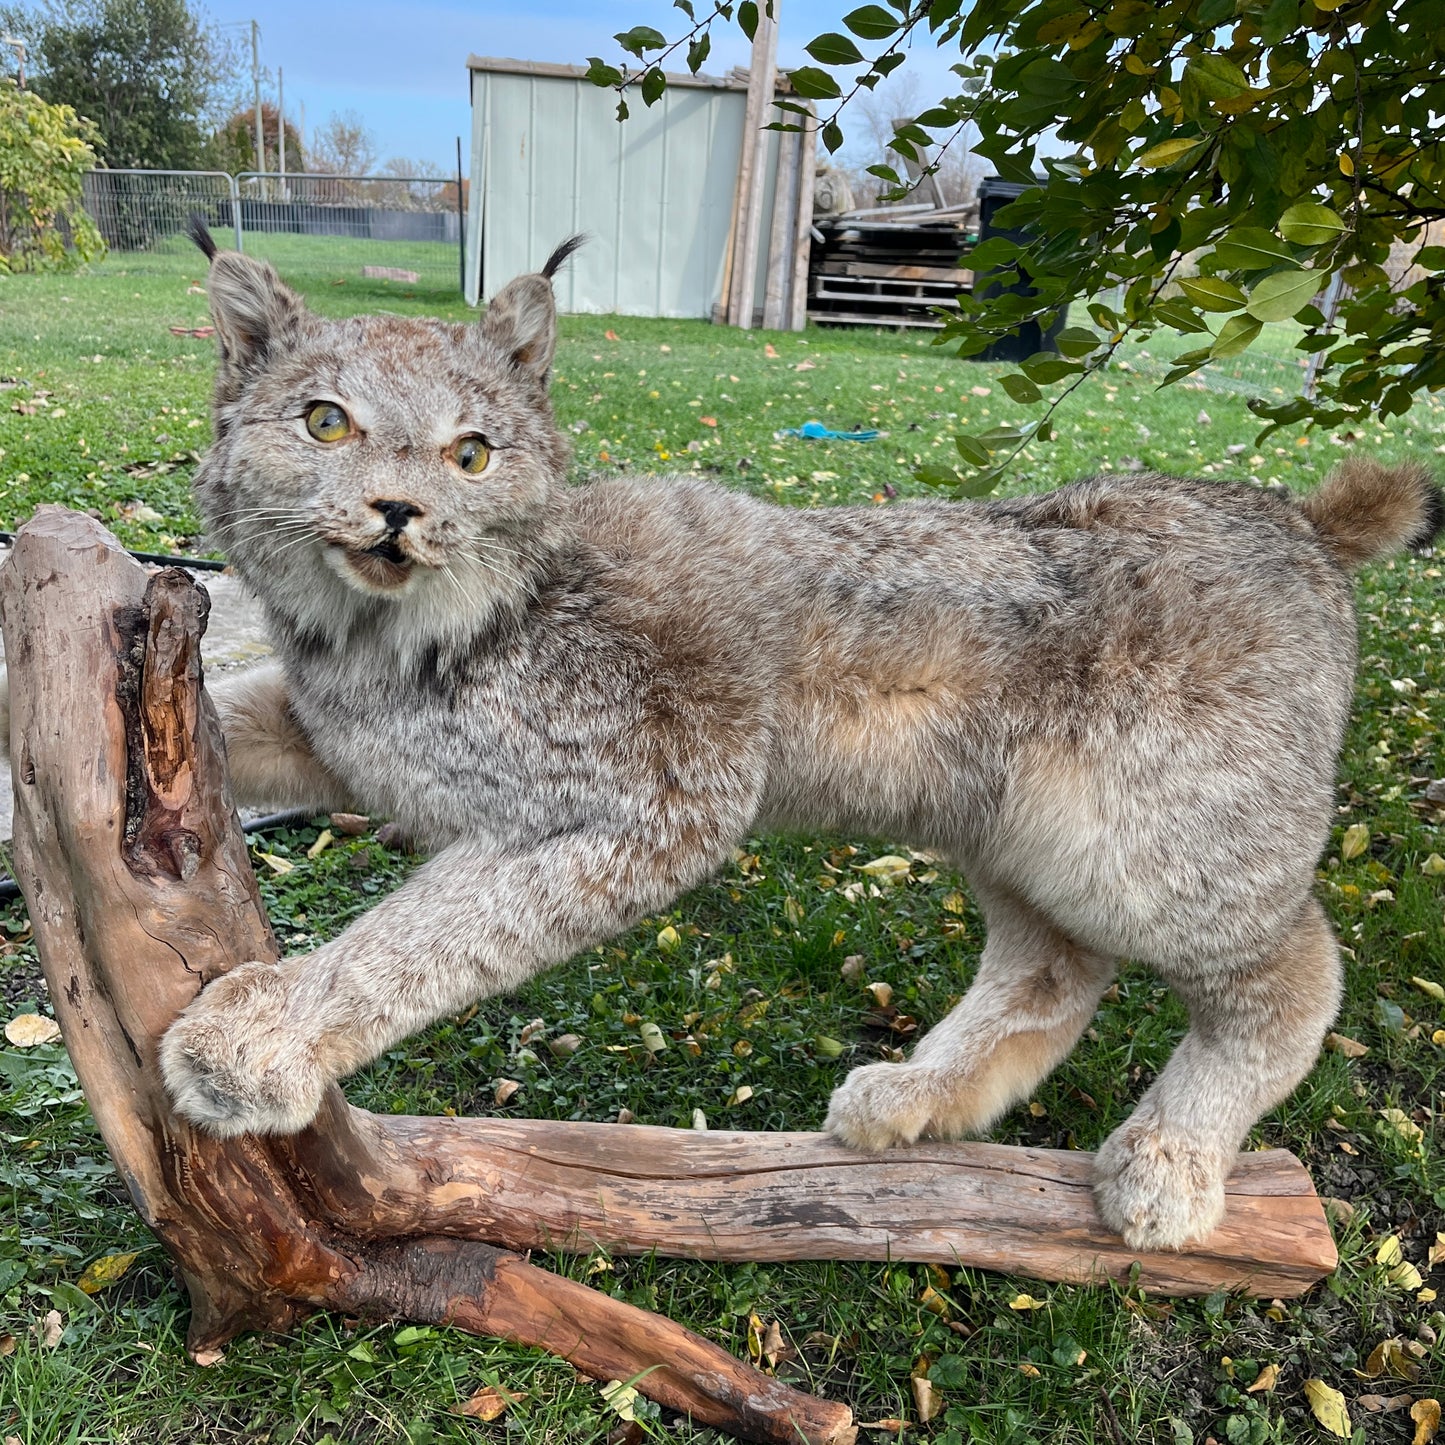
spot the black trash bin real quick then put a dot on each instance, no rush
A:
(994, 193)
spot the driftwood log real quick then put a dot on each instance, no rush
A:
(141, 890)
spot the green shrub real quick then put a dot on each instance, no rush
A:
(45, 151)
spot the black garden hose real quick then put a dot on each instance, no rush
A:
(203, 564)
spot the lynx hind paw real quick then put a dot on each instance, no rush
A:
(234, 1063)
(881, 1105)
(1156, 1192)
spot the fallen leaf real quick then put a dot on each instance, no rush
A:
(620, 1399)
(1434, 866)
(882, 993)
(1389, 1252)
(668, 940)
(1350, 1048)
(27, 1031)
(206, 1358)
(489, 1403)
(1426, 1415)
(1438, 1038)
(7, 1346)
(50, 1329)
(770, 350)
(852, 970)
(652, 1038)
(892, 1426)
(1264, 1382)
(699, 1120)
(101, 1272)
(1037, 1110)
(565, 1045)
(1384, 1404)
(1404, 1126)
(926, 1399)
(275, 864)
(1032, 1371)
(611, 336)
(931, 1300)
(1437, 1250)
(1390, 1357)
(1328, 1407)
(324, 839)
(350, 825)
(772, 1343)
(890, 868)
(708, 420)
(1430, 988)
(827, 1048)
(1026, 1302)
(740, 1095)
(1355, 841)
(505, 1089)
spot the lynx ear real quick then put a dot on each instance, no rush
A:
(522, 318)
(254, 311)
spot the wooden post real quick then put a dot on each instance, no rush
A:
(777, 308)
(753, 165)
(803, 235)
(141, 891)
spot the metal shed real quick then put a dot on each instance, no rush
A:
(656, 196)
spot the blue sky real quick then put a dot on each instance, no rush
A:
(402, 68)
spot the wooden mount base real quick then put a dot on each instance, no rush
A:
(140, 891)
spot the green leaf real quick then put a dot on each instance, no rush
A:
(1278, 296)
(1216, 76)
(1077, 341)
(653, 84)
(885, 173)
(1046, 369)
(832, 137)
(640, 38)
(814, 84)
(1234, 337)
(600, 73)
(933, 476)
(1167, 152)
(1251, 248)
(748, 18)
(972, 450)
(1020, 388)
(871, 22)
(1209, 293)
(1180, 315)
(834, 49)
(1310, 225)
(698, 51)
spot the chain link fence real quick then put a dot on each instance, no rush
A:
(395, 234)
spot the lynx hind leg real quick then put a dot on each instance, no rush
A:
(1254, 1034)
(1034, 995)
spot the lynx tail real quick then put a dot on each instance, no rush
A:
(1363, 510)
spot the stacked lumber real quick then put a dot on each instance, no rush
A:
(873, 269)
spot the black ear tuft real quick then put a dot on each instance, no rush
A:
(202, 237)
(555, 261)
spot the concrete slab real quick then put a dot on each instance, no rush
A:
(234, 637)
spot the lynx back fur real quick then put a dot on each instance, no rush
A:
(1115, 708)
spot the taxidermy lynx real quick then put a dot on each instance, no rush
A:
(1115, 708)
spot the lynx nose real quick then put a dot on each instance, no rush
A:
(397, 514)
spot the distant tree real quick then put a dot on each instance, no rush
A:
(153, 75)
(45, 152)
(344, 146)
(234, 144)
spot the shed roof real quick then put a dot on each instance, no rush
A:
(734, 80)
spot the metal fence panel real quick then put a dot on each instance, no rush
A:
(143, 213)
(399, 233)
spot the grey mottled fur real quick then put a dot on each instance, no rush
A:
(1116, 708)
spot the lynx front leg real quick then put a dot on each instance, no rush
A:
(1254, 1034)
(257, 1050)
(1034, 995)
(268, 757)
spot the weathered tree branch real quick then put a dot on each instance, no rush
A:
(141, 890)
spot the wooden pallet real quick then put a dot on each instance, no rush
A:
(887, 272)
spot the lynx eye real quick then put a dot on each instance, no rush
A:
(472, 455)
(327, 422)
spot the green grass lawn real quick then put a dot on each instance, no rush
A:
(104, 409)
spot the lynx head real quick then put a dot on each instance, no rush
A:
(382, 469)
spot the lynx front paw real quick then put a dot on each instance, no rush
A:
(880, 1105)
(1157, 1192)
(235, 1063)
